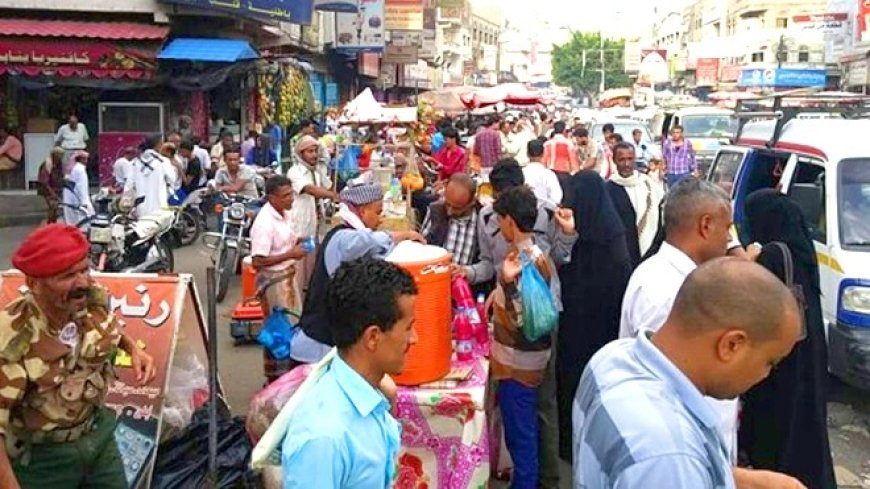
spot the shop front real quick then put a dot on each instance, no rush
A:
(52, 69)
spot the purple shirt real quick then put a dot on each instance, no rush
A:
(487, 145)
(680, 160)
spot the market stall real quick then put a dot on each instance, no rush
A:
(376, 144)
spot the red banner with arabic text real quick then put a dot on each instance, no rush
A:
(65, 58)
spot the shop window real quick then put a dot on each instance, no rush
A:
(758, 57)
(782, 23)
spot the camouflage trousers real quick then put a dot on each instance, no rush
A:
(93, 461)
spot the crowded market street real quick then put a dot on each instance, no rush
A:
(241, 374)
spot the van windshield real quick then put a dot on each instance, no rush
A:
(709, 126)
(854, 202)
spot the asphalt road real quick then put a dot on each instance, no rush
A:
(241, 374)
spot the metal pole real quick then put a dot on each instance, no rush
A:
(601, 56)
(211, 304)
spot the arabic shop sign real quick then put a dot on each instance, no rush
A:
(84, 58)
(293, 11)
(782, 77)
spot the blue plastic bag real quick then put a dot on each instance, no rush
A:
(348, 163)
(540, 315)
(277, 333)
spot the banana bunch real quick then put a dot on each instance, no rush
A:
(265, 99)
(294, 97)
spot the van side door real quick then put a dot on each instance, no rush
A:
(804, 181)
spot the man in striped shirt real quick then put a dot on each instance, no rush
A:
(487, 144)
(640, 417)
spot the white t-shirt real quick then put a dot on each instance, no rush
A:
(648, 301)
(149, 178)
(72, 139)
(77, 197)
(121, 170)
(205, 161)
(304, 211)
(543, 183)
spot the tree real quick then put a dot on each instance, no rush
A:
(569, 69)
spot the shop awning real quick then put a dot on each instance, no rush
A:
(203, 49)
(73, 49)
(86, 30)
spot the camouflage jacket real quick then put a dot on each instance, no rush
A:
(46, 384)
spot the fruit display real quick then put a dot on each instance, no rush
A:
(412, 182)
(284, 95)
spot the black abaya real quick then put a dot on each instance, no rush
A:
(783, 425)
(593, 284)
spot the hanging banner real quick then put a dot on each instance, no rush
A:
(162, 314)
(707, 72)
(295, 11)
(362, 31)
(428, 46)
(403, 15)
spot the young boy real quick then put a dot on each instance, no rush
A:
(519, 365)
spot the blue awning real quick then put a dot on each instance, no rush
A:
(202, 49)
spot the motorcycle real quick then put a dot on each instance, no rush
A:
(121, 243)
(232, 242)
(188, 220)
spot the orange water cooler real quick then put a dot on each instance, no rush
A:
(249, 278)
(429, 359)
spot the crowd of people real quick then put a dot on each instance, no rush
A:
(673, 365)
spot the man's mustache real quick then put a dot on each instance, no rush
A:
(78, 293)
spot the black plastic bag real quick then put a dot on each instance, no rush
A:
(182, 461)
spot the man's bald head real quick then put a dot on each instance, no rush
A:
(729, 293)
(731, 323)
(459, 194)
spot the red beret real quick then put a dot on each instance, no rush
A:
(50, 250)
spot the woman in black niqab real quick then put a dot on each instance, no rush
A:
(593, 285)
(783, 424)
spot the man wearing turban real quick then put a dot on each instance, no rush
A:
(356, 237)
(57, 343)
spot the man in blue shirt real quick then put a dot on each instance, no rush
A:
(640, 417)
(342, 435)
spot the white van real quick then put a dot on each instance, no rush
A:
(824, 165)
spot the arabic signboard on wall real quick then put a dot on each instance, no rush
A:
(707, 72)
(295, 11)
(828, 22)
(161, 313)
(863, 30)
(429, 46)
(362, 31)
(400, 55)
(730, 73)
(78, 59)
(783, 77)
(403, 15)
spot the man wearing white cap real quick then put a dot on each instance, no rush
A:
(310, 180)
(356, 237)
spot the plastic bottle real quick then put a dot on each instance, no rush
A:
(481, 328)
(395, 190)
(463, 300)
(464, 336)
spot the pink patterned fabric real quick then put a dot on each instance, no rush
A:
(200, 115)
(445, 437)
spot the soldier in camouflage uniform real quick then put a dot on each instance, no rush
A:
(57, 343)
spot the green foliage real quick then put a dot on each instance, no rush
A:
(569, 69)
